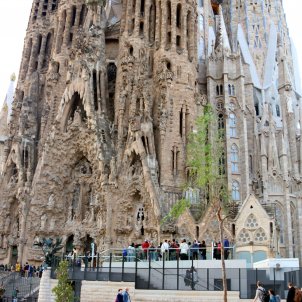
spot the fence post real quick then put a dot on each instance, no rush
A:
(239, 282)
(97, 266)
(73, 265)
(208, 277)
(30, 285)
(135, 268)
(149, 272)
(274, 279)
(86, 265)
(110, 263)
(123, 267)
(163, 283)
(177, 255)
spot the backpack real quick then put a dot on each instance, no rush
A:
(265, 296)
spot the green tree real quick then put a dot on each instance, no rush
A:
(63, 291)
(206, 165)
(206, 162)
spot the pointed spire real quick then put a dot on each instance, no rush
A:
(8, 101)
(222, 40)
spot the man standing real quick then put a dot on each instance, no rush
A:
(165, 250)
(145, 247)
(226, 245)
(184, 250)
(126, 295)
(291, 293)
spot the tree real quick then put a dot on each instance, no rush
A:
(49, 248)
(63, 291)
(206, 165)
(206, 161)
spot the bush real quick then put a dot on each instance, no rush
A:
(63, 291)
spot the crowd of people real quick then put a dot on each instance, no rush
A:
(27, 270)
(294, 294)
(173, 249)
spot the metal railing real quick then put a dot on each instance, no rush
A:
(149, 271)
(19, 288)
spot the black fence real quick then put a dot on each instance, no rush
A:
(18, 288)
(148, 273)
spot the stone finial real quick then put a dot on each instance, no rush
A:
(13, 77)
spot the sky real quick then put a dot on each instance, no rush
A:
(14, 16)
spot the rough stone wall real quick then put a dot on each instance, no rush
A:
(106, 99)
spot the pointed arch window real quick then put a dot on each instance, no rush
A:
(221, 125)
(235, 191)
(278, 110)
(235, 159)
(233, 125)
(221, 164)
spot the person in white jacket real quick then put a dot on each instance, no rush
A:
(165, 250)
(184, 250)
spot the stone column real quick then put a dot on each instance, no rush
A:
(67, 27)
(60, 32)
(78, 15)
(42, 52)
(137, 18)
(173, 26)
(26, 59)
(158, 25)
(33, 55)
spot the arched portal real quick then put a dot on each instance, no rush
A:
(73, 107)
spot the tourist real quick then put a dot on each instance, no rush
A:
(173, 250)
(194, 249)
(131, 252)
(26, 269)
(203, 250)
(152, 251)
(18, 268)
(30, 271)
(298, 295)
(226, 245)
(15, 295)
(291, 293)
(119, 297)
(145, 247)
(272, 296)
(184, 250)
(165, 250)
(218, 250)
(215, 251)
(126, 295)
(259, 292)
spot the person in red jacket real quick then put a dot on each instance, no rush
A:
(145, 247)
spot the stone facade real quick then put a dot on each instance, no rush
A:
(106, 98)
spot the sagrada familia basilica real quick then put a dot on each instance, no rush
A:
(93, 140)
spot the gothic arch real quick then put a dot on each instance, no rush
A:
(260, 236)
(244, 237)
(74, 105)
(251, 222)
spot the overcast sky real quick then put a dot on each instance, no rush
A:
(14, 16)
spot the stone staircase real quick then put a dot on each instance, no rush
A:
(93, 291)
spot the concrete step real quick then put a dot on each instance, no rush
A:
(107, 291)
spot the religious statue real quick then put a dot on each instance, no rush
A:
(51, 201)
